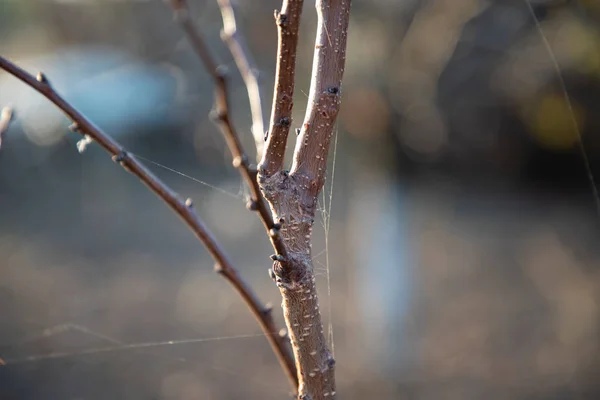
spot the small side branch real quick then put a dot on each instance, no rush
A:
(288, 25)
(6, 117)
(223, 120)
(248, 70)
(184, 209)
(324, 99)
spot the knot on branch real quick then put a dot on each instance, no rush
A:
(333, 90)
(218, 115)
(281, 19)
(239, 161)
(41, 78)
(252, 205)
(121, 157)
(284, 121)
(221, 73)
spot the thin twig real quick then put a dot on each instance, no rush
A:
(230, 35)
(288, 24)
(222, 118)
(6, 117)
(184, 209)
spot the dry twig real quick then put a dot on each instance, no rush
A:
(184, 209)
(248, 70)
(222, 118)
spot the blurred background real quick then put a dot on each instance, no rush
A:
(462, 238)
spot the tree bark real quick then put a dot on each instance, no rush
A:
(293, 199)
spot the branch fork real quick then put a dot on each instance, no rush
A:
(284, 201)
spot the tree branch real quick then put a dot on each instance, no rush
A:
(184, 209)
(223, 120)
(248, 70)
(324, 98)
(294, 197)
(5, 118)
(288, 24)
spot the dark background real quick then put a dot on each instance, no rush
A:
(463, 243)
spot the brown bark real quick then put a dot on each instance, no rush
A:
(288, 25)
(293, 198)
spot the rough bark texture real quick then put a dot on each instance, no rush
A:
(293, 198)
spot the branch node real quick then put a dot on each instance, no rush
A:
(218, 115)
(252, 205)
(240, 161)
(330, 362)
(74, 127)
(189, 203)
(83, 143)
(333, 90)
(284, 121)
(221, 72)
(41, 77)
(219, 269)
(121, 157)
(272, 274)
(268, 309)
(277, 257)
(280, 19)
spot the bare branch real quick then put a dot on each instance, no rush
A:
(223, 120)
(248, 70)
(288, 24)
(324, 98)
(294, 197)
(184, 209)
(240, 159)
(6, 117)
